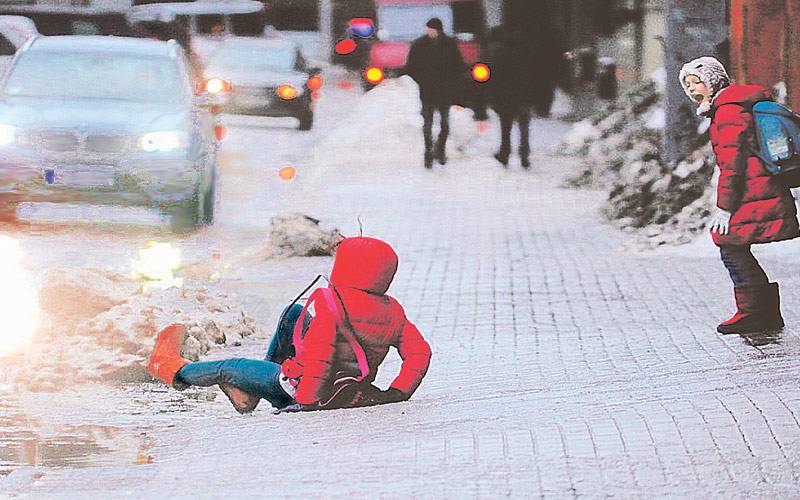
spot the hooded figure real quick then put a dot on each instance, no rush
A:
(751, 205)
(295, 378)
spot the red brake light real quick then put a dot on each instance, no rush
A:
(345, 47)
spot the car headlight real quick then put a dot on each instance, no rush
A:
(162, 141)
(288, 92)
(7, 134)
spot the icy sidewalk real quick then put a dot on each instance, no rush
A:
(563, 365)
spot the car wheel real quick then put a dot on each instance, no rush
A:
(306, 121)
(185, 218)
(208, 202)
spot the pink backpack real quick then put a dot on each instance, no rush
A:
(348, 390)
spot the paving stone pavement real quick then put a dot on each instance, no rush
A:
(563, 364)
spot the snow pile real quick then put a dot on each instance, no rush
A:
(301, 236)
(98, 326)
(385, 129)
(621, 147)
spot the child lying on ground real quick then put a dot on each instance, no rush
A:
(323, 355)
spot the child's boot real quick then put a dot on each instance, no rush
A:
(757, 310)
(243, 402)
(166, 360)
(771, 307)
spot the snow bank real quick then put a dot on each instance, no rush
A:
(621, 146)
(98, 326)
(385, 129)
(301, 236)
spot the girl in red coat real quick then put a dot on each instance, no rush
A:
(752, 206)
(344, 333)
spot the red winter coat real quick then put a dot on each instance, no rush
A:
(763, 210)
(362, 272)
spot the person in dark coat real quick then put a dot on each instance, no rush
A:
(511, 89)
(435, 63)
(752, 206)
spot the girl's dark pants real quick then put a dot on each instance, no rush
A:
(742, 266)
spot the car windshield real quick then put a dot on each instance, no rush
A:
(87, 75)
(254, 57)
(407, 22)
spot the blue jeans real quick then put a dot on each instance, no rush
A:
(256, 377)
(742, 266)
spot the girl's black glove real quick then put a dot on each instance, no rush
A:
(391, 395)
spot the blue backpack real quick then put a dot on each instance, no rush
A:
(777, 130)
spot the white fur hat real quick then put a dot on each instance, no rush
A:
(709, 71)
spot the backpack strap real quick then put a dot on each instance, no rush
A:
(348, 332)
(297, 333)
(342, 324)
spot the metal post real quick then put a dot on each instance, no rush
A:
(325, 29)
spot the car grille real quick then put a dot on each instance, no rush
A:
(106, 143)
(59, 141)
(255, 91)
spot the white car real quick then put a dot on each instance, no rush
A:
(14, 32)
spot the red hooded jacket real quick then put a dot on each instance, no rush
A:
(762, 209)
(362, 272)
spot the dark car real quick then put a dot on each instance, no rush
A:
(106, 120)
(267, 77)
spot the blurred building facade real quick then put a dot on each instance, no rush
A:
(765, 45)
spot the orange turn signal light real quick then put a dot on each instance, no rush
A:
(287, 173)
(220, 131)
(314, 83)
(286, 92)
(374, 75)
(481, 72)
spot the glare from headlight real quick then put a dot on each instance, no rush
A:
(156, 264)
(19, 301)
(160, 141)
(7, 134)
(215, 86)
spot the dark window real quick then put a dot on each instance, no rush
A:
(212, 23)
(467, 17)
(247, 24)
(6, 47)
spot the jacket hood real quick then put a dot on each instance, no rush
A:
(741, 93)
(366, 264)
